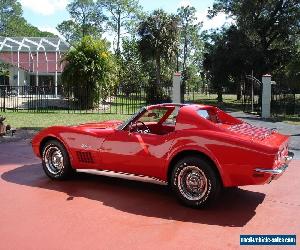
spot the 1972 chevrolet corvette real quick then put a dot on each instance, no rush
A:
(196, 149)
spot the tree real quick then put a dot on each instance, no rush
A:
(158, 39)
(291, 73)
(4, 74)
(241, 56)
(189, 39)
(12, 22)
(133, 74)
(271, 26)
(189, 28)
(70, 30)
(214, 63)
(229, 56)
(90, 67)
(86, 20)
(122, 15)
(9, 10)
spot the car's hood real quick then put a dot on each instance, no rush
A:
(101, 125)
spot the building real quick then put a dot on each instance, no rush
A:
(33, 61)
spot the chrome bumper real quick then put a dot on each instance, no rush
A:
(280, 169)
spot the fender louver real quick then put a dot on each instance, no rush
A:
(85, 157)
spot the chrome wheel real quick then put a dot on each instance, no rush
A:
(192, 183)
(54, 160)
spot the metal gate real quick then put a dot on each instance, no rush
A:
(252, 94)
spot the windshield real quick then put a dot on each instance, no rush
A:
(125, 123)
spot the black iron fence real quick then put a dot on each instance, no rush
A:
(79, 100)
(126, 100)
(285, 102)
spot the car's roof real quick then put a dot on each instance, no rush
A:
(177, 105)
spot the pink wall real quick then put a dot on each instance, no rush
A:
(30, 63)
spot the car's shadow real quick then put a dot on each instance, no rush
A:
(235, 207)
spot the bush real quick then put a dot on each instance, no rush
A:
(90, 72)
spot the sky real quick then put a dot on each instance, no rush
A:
(47, 14)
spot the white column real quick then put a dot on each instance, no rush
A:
(266, 97)
(176, 87)
(18, 80)
(11, 75)
(37, 68)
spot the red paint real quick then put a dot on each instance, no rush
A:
(236, 154)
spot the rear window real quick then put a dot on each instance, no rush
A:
(208, 115)
(203, 113)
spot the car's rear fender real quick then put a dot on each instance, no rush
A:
(192, 148)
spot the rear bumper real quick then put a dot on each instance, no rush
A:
(277, 171)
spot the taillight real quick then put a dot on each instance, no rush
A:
(280, 155)
(277, 158)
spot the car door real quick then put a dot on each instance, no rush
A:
(138, 153)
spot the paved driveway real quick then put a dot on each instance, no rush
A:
(104, 212)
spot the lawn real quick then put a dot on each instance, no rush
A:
(229, 101)
(37, 121)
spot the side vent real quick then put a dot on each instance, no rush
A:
(85, 157)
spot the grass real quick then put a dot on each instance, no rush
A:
(229, 101)
(38, 121)
(231, 104)
(291, 119)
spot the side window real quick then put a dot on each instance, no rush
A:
(154, 115)
(171, 120)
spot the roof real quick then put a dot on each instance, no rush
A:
(48, 44)
(166, 105)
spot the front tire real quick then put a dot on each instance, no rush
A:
(195, 182)
(56, 161)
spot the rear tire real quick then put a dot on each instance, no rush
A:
(195, 182)
(56, 161)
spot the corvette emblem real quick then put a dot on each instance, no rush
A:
(85, 146)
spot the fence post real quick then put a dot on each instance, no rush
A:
(176, 88)
(266, 97)
(4, 100)
(68, 90)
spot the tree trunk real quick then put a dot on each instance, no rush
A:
(119, 32)
(220, 94)
(83, 27)
(158, 69)
(184, 78)
(184, 51)
(239, 91)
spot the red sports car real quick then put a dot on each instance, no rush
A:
(196, 149)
